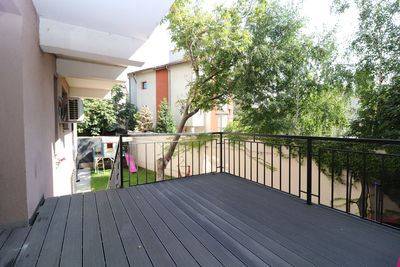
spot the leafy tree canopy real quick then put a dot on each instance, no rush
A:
(105, 116)
(289, 82)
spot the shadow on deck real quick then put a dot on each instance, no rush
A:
(208, 220)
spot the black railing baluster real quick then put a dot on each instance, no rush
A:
(381, 188)
(272, 165)
(229, 155)
(199, 158)
(290, 169)
(319, 176)
(347, 182)
(211, 157)
(146, 160)
(163, 162)
(192, 171)
(234, 158)
(129, 164)
(309, 170)
(280, 167)
(137, 167)
(239, 157)
(333, 177)
(155, 163)
(257, 162)
(245, 158)
(224, 155)
(170, 163)
(121, 162)
(179, 170)
(205, 156)
(251, 161)
(363, 184)
(185, 161)
(264, 164)
(300, 171)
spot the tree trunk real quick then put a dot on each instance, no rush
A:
(162, 163)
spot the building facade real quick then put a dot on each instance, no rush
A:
(151, 85)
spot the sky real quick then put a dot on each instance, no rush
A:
(157, 48)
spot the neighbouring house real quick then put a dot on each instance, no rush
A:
(51, 51)
(150, 86)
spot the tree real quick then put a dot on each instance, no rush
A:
(377, 71)
(289, 83)
(377, 85)
(99, 117)
(105, 116)
(165, 123)
(123, 108)
(213, 42)
(144, 120)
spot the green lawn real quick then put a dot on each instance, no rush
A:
(99, 181)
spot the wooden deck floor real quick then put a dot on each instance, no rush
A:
(209, 220)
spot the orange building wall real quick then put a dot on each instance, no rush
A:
(214, 120)
(161, 87)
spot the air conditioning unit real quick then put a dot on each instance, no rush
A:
(75, 110)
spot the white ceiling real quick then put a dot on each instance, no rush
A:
(131, 18)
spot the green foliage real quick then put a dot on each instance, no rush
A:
(123, 108)
(105, 116)
(165, 123)
(144, 120)
(213, 42)
(99, 117)
(288, 83)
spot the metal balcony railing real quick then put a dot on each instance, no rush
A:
(356, 176)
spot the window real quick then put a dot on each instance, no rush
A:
(144, 85)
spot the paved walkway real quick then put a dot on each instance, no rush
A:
(83, 183)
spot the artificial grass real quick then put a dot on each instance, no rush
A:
(99, 181)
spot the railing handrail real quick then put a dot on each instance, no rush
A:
(303, 137)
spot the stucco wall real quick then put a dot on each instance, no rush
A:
(147, 96)
(12, 158)
(27, 117)
(38, 102)
(180, 76)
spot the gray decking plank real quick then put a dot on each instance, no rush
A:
(156, 251)
(267, 211)
(12, 246)
(92, 244)
(113, 249)
(71, 254)
(316, 227)
(337, 226)
(51, 249)
(295, 247)
(250, 243)
(198, 251)
(135, 250)
(30, 251)
(240, 251)
(248, 229)
(178, 252)
(217, 249)
(3, 236)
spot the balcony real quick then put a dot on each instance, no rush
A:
(243, 203)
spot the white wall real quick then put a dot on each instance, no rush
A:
(180, 76)
(147, 96)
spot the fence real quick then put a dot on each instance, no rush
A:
(356, 176)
